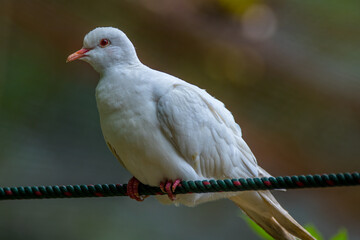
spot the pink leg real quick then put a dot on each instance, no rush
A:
(176, 184)
(133, 190)
(169, 188)
(170, 194)
(162, 187)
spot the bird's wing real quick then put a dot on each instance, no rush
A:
(112, 149)
(205, 133)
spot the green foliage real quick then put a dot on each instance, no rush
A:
(314, 231)
(236, 7)
(256, 228)
(341, 235)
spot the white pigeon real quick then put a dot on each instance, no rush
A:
(163, 129)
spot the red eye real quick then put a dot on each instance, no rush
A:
(104, 42)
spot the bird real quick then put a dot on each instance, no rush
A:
(164, 130)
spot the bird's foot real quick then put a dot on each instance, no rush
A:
(133, 190)
(169, 188)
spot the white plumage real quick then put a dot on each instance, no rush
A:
(163, 128)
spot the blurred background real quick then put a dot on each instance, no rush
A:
(288, 70)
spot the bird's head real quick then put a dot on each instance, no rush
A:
(106, 47)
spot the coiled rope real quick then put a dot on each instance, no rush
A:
(242, 184)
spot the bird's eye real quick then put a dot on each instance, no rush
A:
(104, 42)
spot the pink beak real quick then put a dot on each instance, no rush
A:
(77, 55)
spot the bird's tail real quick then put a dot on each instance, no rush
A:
(263, 208)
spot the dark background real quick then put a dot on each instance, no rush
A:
(288, 70)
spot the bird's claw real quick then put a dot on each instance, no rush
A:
(133, 190)
(169, 188)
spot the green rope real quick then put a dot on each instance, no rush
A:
(227, 185)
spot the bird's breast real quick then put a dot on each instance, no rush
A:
(125, 112)
(129, 122)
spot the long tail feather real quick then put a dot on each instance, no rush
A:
(263, 208)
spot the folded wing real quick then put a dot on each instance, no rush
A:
(205, 133)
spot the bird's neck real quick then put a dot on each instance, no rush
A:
(121, 87)
(118, 65)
